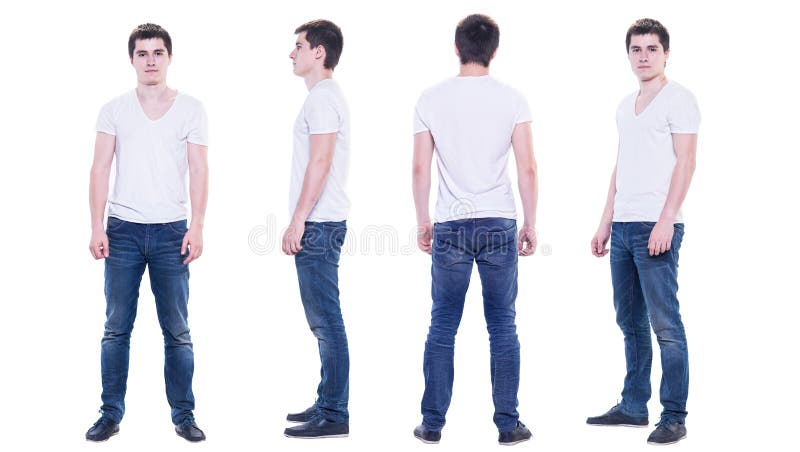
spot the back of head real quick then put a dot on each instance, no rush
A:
(149, 31)
(645, 27)
(477, 38)
(326, 34)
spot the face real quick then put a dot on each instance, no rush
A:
(304, 58)
(647, 56)
(151, 60)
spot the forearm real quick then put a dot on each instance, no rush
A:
(608, 211)
(678, 188)
(313, 181)
(198, 193)
(529, 193)
(98, 195)
(421, 186)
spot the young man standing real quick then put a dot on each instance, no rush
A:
(657, 128)
(157, 135)
(318, 208)
(468, 123)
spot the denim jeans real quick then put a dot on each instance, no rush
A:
(491, 242)
(318, 274)
(645, 294)
(132, 247)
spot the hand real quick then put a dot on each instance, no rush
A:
(425, 237)
(600, 240)
(98, 245)
(526, 244)
(292, 237)
(193, 241)
(660, 238)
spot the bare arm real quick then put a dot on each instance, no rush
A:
(421, 187)
(98, 191)
(527, 180)
(198, 191)
(600, 239)
(685, 145)
(321, 147)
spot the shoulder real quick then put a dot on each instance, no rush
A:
(117, 102)
(680, 94)
(190, 102)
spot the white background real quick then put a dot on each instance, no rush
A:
(256, 359)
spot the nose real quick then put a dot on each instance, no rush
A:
(292, 55)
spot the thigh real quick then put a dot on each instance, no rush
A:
(497, 258)
(169, 276)
(124, 268)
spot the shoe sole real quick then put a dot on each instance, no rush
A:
(297, 422)
(666, 444)
(344, 435)
(102, 440)
(619, 425)
(515, 442)
(426, 441)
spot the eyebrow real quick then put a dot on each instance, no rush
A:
(146, 51)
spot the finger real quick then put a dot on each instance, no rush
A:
(603, 253)
(104, 246)
(184, 244)
(94, 251)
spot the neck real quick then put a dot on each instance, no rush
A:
(653, 85)
(473, 70)
(152, 92)
(315, 77)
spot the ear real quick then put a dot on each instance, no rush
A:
(319, 52)
(458, 54)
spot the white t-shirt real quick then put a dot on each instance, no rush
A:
(151, 157)
(471, 120)
(646, 153)
(324, 111)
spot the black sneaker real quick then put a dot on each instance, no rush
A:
(427, 436)
(667, 432)
(615, 417)
(318, 427)
(103, 429)
(189, 431)
(304, 416)
(516, 436)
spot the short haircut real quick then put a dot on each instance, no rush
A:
(477, 38)
(149, 31)
(326, 34)
(646, 27)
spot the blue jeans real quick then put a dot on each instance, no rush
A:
(132, 247)
(318, 274)
(492, 243)
(645, 294)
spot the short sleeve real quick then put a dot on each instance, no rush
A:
(321, 114)
(419, 123)
(198, 126)
(106, 121)
(684, 115)
(523, 111)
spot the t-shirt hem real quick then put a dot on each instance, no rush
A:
(145, 221)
